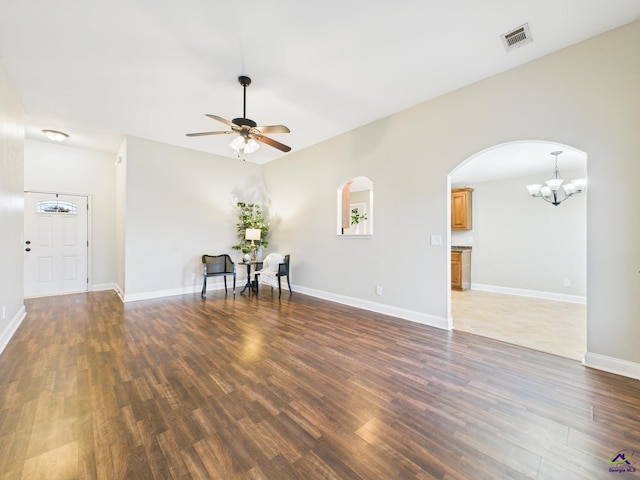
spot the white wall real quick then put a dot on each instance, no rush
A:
(12, 309)
(586, 96)
(525, 243)
(180, 204)
(57, 168)
(406, 201)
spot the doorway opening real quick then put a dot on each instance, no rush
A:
(527, 257)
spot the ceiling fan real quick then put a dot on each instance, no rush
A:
(249, 133)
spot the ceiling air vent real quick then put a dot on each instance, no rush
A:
(517, 37)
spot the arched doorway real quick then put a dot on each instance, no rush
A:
(528, 257)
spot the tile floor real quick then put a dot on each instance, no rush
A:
(549, 326)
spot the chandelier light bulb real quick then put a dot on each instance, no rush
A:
(534, 189)
(554, 184)
(580, 184)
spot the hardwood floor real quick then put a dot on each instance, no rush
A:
(549, 326)
(257, 388)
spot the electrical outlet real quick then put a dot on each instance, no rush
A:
(567, 282)
(378, 290)
(193, 276)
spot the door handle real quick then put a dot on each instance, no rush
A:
(27, 249)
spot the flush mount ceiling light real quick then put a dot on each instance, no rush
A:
(55, 135)
(554, 192)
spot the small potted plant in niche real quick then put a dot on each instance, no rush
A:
(250, 216)
(356, 217)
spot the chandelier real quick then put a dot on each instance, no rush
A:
(555, 191)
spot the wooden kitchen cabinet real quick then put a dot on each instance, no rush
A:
(461, 208)
(460, 269)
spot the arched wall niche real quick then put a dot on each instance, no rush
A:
(355, 208)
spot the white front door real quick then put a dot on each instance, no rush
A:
(55, 244)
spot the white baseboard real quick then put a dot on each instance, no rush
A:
(418, 317)
(558, 297)
(98, 287)
(119, 292)
(13, 325)
(612, 365)
(211, 286)
(411, 315)
(135, 297)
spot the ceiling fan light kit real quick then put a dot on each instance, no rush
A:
(250, 135)
(242, 145)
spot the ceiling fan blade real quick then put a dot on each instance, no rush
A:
(200, 134)
(274, 129)
(271, 142)
(220, 119)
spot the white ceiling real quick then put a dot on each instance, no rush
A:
(152, 69)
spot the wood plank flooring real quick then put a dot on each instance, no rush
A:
(257, 388)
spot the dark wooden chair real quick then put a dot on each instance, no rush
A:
(283, 271)
(217, 266)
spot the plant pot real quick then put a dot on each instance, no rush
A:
(246, 257)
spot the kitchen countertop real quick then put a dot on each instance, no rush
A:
(454, 247)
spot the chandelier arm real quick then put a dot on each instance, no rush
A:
(553, 201)
(567, 195)
(557, 202)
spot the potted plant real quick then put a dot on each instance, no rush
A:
(356, 217)
(250, 216)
